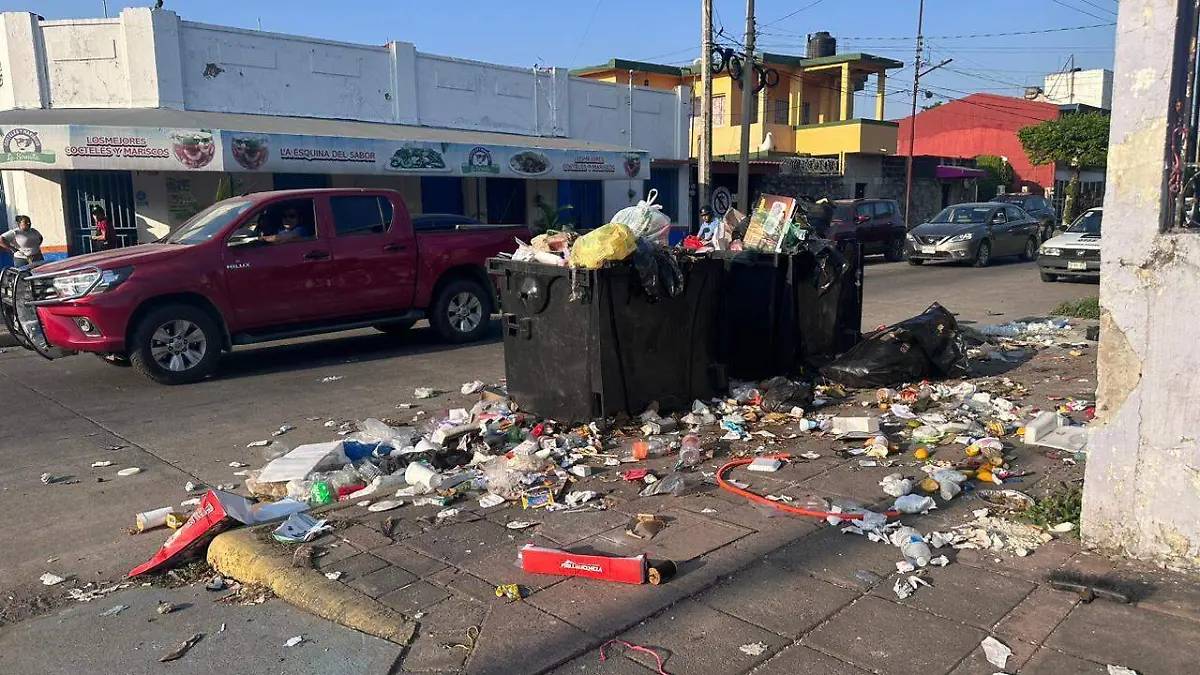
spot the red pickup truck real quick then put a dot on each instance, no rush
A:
(266, 266)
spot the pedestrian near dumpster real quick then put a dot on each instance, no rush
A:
(25, 243)
(707, 226)
(102, 237)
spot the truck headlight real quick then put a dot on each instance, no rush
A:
(88, 282)
(1050, 250)
(965, 236)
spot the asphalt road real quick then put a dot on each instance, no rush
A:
(60, 417)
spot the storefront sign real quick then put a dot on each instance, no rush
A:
(157, 149)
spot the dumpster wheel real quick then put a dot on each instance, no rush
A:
(787, 508)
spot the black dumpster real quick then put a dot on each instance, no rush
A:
(607, 349)
(781, 312)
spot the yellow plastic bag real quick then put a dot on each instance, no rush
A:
(609, 243)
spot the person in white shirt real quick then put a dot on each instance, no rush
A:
(25, 243)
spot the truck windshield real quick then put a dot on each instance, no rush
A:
(963, 215)
(208, 223)
(1088, 223)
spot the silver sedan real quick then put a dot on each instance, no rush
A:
(974, 233)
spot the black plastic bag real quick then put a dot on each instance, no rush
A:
(658, 271)
(782, 394)
(926, 346)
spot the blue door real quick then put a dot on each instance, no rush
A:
(586, 199)
(505, 200)
(442, 194)
(666, 181)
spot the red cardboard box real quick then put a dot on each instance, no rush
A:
(625, 570)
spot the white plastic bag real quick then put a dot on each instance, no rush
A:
(646, 220)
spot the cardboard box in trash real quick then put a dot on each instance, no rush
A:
(769, 223)
(217, 512)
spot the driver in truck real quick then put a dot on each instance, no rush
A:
(291, 230)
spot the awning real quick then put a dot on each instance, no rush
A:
(181, 140)
(946, 172)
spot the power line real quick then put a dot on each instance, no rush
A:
(791, 14)
(966, 37)
(583, 37)
(1081, 11)
(1102, 9)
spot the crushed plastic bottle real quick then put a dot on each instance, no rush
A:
(640, 449)
(912, 545)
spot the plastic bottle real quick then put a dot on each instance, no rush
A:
(639, 449)
(690, 452)
(912, 545)
(322, 493)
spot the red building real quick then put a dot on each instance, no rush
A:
(982, 124)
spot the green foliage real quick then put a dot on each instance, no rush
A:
(1064, 505)
(550, 218)
(1083, 308)
(999, 172)
(1075, 140)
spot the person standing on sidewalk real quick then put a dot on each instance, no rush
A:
(25, 243)
(103, 237)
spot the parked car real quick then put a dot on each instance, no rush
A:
(1074, 253)
(262, 267)
(974, 233)
(876, 223)
(1037, 206)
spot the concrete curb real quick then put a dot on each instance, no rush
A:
(6, 338)
(241, 555)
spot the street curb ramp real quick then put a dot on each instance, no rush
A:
(242, 555)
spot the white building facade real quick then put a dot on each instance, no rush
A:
(1079, 87)
(149, 116)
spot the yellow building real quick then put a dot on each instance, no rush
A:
(809, 111)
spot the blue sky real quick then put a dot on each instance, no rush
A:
(574, 33)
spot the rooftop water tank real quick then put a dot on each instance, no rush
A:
(821, 44)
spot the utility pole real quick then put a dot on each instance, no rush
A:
(747, 97)
(912, 124)
(704, 168)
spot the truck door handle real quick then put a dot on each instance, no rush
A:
(316, 255)
(392, 248)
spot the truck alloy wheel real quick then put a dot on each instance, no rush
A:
(465, 312)
(176, 344)
(461, 310)
(983, 255)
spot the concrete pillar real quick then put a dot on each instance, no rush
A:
(796, 105)
(39, 195)
(151, 53)
(23, 62)
(404, 83)
(847, 91)
(1142, 488)
(880, 93)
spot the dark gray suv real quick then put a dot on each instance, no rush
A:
(1037, 206)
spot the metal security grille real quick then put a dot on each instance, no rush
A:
(112, 190)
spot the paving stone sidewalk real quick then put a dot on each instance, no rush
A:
(759, 591)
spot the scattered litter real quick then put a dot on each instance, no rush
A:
(915, 504)
(580, 497)
(472, 388)
(282, 430)
(166, 608)
(447, 513)
(103, 463)
(238, 465)
(182, 649)
(384, 505)
(708, 510)
(490, 500)
(637, 648)
(258, 444)
(190, 502)
(131, 471)
(1063, 527)
(896, 485)
(997, 652)
(424, 392)
(509, 592)
(300, 528)
(114, 610)
(191, 487)
(906, 586)
(855, 427)
(754, 649)
(810, 455)
(47, 479)
(645, 526)
(765, 464)
(292, 642)
(520, 524)
(81, 595)
(868, 577)
(333, 576)
(216, 584)
(1120, 670)
(49, 579)
(332, 378)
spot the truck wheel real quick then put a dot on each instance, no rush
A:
(1049, 278)
(1030, 251)
(895, 251)
(461, 311)
(983, 255)
(396, 327)
(915, 261)
(118, 360)
(176, 344)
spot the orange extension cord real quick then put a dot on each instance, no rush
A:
(780, 505)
